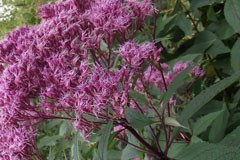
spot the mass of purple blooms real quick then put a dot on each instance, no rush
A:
(59, 66)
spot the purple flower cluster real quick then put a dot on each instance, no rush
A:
(16, 143)
(58, 66)
(135, 55)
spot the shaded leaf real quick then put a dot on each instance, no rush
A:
(217, 48)
(204, 122)
(232, 13)
(129, 153)
(207, 151)
(184, 24)
(235, 56)
(219, 125)
(206, 95)
(136, 119)
(232, 139)
(200, 3)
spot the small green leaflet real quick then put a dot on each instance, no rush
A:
(172, 122)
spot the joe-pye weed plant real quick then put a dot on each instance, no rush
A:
(109, 72)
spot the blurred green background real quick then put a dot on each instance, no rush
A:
(14, 13)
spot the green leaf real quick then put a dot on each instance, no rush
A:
(115, 155)
(172, 122)
(211, 15)
(178, 82)
(217, 48)
(75, 148)
(204, 122)
(232, 13)
(235, 56)
(189, 57)
(195, 139)
(232, 139)
(184, 24)
(103, 143)
(129, 153)
(63, 128)
(219, 125)
(175, 149)
(205, 96)
(140, 98)
(136, 119)
(203, 41)
(48, 141)
(200, 3)
(207, 151)
(224, 30)
(103, 46)
(162, 22)
(200, 47)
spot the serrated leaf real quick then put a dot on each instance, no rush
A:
(232, 13)
(207, 151)
(172, 122)
(136, 119)
(235, 56)
(205, 96)
(103, 143)
(204, 122)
